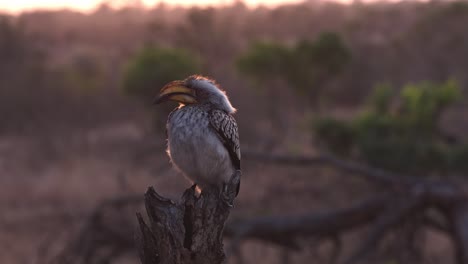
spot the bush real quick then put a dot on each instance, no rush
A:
(263, 61)
(314, 63)
(306, 67)
(405, 138)
(338, 136)
(153, 67)
(458, 158)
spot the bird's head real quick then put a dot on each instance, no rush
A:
(196, 89)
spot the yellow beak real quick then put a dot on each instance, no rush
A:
(176, 91)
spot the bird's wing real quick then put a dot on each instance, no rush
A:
(226, 127)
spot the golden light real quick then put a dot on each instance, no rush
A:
(87, 5)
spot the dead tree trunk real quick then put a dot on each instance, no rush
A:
(190, 231)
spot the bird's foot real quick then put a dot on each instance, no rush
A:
(197, 190)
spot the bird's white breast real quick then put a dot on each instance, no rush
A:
(195, 148)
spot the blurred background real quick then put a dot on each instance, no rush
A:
(378, 83)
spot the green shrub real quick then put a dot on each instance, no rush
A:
(313, 63)
(153, 67)
(263, 61)
(405, 138)
(338, 136)
(459, 158)
(305, 67)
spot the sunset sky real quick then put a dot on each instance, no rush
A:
(21, 5)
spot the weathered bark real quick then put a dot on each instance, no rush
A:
(190, 231)
(285, 230)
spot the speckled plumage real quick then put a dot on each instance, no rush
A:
(203, 139)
